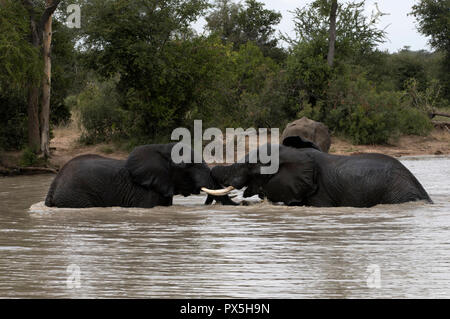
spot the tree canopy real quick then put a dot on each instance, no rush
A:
(238, 24)
(19, 59)
(433, 18)
(136, 69)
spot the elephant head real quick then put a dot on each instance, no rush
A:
(306, 133)
(151, 166)
(294, 181)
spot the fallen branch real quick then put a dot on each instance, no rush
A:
(441, 125)
(13, 171)
(38, 169)
(434, 114)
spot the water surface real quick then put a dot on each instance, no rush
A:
(256, 251)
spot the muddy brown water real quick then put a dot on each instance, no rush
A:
(256, 251)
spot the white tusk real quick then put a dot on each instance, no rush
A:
(218, 192)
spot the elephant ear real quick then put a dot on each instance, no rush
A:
(150, 167)
(295, 181)
(299, 142)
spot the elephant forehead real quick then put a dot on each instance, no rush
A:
(304, 129)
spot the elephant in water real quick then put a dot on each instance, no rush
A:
(308, 177)
(146, 179)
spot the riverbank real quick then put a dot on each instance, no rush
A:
(65, 145)
(437, 143)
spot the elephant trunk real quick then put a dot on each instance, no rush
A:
(221, 174)
(217, 194)
(235, 175)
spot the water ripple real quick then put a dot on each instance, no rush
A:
(255, 251)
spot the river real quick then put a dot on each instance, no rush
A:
(256, 251)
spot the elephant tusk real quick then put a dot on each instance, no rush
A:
(219, 192)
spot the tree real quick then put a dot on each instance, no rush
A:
(433, 17)
(356, 35)
(46, 83)
(222, 21)
(329, 35)
(19, 64)
(143, 44)
(332, 37)
(41, 29)
(239, 24)
(21, 67)
(19, 60)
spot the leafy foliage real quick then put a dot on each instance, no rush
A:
(29, 158)
(18, 58)
(434, 21)
(99, 113)
(12, 120)
(22, 67)
(239, 24)
(353, 107)
(136, 70)
(356, 35)
(433, 17)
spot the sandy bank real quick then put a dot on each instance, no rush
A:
(65, 146)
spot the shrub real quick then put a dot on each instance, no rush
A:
(426, 99)
(60, 114)
(307, 75)
(29, 158)
(100, 116)
(414, 122)
(12, 121)
(354, 108)
(358, 111)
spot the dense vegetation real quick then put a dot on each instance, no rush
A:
(136, 70)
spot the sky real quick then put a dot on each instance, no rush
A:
(401, 28)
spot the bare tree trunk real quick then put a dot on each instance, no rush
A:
(34, 138)
(332, 37)
(46, 84)
(41, 32)
(434, 114)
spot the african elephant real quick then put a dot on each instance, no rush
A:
(308, 177)
(146, 179)
(305, 133)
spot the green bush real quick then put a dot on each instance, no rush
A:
(60, 114)
(354, 108)
(100, 117)
(13, 123)
(357, 110)
(414, 122)
(29, 158)
(307, 76)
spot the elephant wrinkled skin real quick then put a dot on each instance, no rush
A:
(146, 179)
(308, 177)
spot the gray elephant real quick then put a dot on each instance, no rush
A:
(304, 133)
(308, 177)
(146, 179)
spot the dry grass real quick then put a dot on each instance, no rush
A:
(437, 143)
(65, 145)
